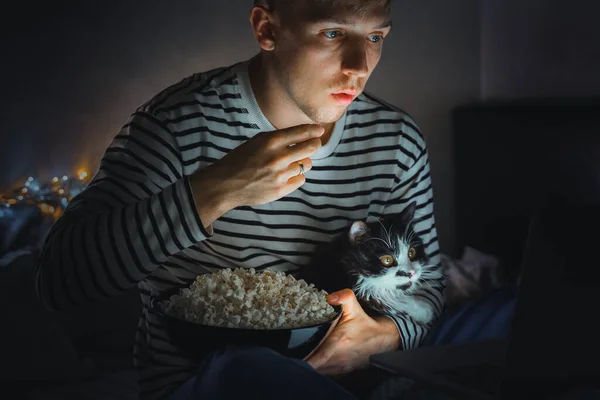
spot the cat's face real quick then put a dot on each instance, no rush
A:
(387, 254)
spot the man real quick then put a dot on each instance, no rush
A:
(203, 177)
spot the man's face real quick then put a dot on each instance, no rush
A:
(322, 52)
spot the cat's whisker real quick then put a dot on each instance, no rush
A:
(433, 283)
(432, 275)
(411, 236)
(382, 227)
(422, 285)
(381, 223)
(430, 280)
(406, 230)
(381, 240)
(412, 242)
(389, 236)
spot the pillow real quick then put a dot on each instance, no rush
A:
(471, 277)
(34, 347)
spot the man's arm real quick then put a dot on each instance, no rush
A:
(140, 209)
(417, 187)
(137, 211)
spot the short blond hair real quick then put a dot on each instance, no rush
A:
(358, 6)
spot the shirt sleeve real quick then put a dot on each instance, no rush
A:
(415, 185)
(137, 211)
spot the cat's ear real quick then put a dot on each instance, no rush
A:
(358, 229)
(408, 214)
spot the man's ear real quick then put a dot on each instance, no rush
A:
(261, 20)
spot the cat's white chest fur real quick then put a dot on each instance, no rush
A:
(384, 290)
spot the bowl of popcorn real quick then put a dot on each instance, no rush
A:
(245, 307)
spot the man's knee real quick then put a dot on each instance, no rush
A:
(232, 359)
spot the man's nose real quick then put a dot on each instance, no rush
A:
(354, 62)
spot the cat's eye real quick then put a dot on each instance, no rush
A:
(412, 254)
(387, 260)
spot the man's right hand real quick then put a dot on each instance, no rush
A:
(261, 170)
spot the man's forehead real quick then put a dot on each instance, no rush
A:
(344, 12)
(380, 21)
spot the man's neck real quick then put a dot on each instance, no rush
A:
(274, 103)
(328, 132)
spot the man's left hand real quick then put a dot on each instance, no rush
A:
(354, 339)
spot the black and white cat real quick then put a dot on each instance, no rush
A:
(383, 262)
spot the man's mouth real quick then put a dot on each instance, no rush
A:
(352, 92)
(345, 96)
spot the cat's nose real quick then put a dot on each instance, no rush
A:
(403, 273)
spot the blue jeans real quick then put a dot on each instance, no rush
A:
(258, 373)
(488, 317)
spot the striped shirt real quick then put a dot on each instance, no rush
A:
(136, 223)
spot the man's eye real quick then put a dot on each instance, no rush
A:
(332, 34)
(375, 38)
